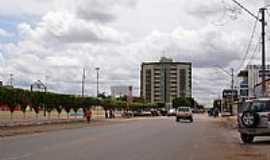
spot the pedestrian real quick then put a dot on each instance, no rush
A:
(106, 114)
(216, 112)
(88, 115)
(111, 114)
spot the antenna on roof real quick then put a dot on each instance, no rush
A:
(163, 53)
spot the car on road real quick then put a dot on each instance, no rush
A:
(171, 112)
(254, 119)
(142, 113)
(184, 113)
(155, 112)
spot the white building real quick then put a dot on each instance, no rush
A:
(119, 91)
(250, 78)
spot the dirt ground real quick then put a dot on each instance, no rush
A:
(32, 129)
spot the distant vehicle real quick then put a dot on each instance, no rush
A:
(155, 112)
(213, 112)
(163, 111)
(254, 119)
(142, 113)
(171, 112)
(184, 113)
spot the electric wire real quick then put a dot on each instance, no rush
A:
(249, 46)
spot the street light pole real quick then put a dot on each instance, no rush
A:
(97, 69)
(11, 79)
(83, 82)
(262, 10)
(232, 92)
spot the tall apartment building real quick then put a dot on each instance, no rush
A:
(164, 80)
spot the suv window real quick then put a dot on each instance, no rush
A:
(183, 109)
(263, 106)
(257, 106)
(244, 106)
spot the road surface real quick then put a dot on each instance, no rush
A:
(144, 139)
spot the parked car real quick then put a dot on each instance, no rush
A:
(184, 113)
(163, 111)
(254, 119)
(139, 113)
(127, 114)
(155, 112)
(171, 112)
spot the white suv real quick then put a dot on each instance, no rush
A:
(254, 119)
(184, 113)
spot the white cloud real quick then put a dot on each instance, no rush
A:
(4, 33)
(71, 35)
(101, 10)
(63, 27)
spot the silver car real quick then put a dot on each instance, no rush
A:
(184, 113)
(254, 119)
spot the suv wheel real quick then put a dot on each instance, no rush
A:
(247, 138)
(177, 119)
(191, 119)
(250, 119)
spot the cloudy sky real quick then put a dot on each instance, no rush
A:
(53, 40)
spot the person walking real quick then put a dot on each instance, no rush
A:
(88, 115)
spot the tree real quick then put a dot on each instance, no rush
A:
(181, 101)
(59, 109)
(78, 102)
(37, 100)
(11, 101)
(138, 100)
(67, 104)
(49, 102)
(107, 105)
(24, 101)
(59, 104)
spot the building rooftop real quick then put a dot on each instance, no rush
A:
(165, 60)
(243, 73)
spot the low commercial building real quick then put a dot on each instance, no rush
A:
(251, 76)
(121, 90)
(258, 89)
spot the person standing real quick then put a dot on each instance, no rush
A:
(88, 115)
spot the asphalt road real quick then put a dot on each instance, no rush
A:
(144, 139)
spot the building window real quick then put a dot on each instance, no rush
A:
(148, 85)
(182, 86)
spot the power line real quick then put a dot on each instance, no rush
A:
(223, 70)
(245, 9)
(227, 11)
(249, 46)
(263, 24)
(254, 52)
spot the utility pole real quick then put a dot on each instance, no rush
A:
(83, 82)
(232, 85)
(97, 69)
(262, 10)
(263, 24)
(232, 90)
(46, 83)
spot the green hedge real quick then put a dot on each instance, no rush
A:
(46, 100)
(51, 101)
